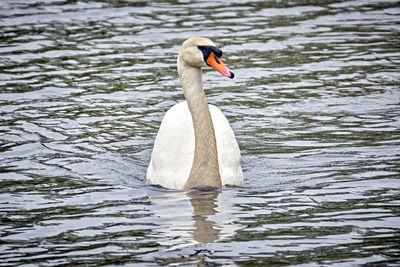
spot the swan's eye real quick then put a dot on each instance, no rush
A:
(207, 49)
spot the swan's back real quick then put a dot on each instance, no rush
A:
(173, 151)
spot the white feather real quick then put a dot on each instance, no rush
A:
(173, 152)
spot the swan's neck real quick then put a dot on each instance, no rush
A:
(205, 168)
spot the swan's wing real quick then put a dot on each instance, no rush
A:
(227, 148)
(172, 156)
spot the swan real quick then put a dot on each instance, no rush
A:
(195, 146)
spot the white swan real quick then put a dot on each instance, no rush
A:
(195, 145)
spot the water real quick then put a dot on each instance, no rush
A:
(314, 105)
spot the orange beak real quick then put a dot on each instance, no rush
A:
(219, 66)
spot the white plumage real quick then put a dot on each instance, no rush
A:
(172, 156)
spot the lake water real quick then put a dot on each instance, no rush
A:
(315, 106)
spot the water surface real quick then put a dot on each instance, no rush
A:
(314, 106)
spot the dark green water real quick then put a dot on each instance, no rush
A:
(315, 105)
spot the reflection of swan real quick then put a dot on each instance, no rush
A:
(185, 219)
(203, 203)
(195, 146)
(183, 243)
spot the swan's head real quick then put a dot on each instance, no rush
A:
(200, 52)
